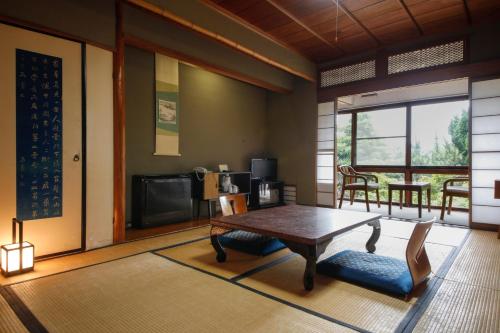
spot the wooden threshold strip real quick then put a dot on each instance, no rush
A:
(155, 48)
(212, 35)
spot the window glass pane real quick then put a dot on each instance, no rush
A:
(381, 151)
(382, 123)
(344, 138)
(437, 181)
(440, 134)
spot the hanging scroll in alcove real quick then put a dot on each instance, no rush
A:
(167, 105)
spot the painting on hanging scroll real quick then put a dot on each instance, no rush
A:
(167, 106)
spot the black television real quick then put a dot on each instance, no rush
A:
(264, 168)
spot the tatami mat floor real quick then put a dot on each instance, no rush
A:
(66, 263)
(9, 323)
(146, 291)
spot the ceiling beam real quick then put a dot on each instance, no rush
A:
(412, 18)
(169, 16)
(305, 26)
(467, 12)
(223, 11)
(358, 22)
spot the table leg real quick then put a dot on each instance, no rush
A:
(419, 203)
(390, 201)
(214, 239)
(400, 199)
(429, 200)
(370, 244)
(311, 253)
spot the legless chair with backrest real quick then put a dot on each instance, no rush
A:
(240, 240)
(388, 274)
(351, 184)
(416, 256)
(233, 204)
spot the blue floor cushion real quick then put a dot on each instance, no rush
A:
(386, 274)
(250, 242)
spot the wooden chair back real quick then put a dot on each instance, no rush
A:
(347, 170)
(233, 204)
(416, 257)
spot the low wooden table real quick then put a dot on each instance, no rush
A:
(410, 186)
(305, 230)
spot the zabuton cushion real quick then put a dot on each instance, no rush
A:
(382, 273)
(250, 242)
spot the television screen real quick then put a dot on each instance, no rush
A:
(265, 168)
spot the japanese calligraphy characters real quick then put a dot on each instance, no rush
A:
(38, 135)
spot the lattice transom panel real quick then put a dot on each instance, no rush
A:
(429, 57)
(351, 73)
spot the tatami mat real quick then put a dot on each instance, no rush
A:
(202, 255)
(439, 233)
(66, 263)
(479, 261)
(346, 302)
(147, 293)
(9, 323)
(459, 307)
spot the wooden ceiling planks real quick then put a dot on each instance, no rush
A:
(310, 26)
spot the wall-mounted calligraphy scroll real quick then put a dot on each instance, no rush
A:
(38, 135)
(167, 105)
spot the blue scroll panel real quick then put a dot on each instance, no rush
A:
(38, 135)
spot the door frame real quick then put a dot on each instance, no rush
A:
(29, 27)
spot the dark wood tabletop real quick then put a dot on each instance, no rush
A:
(297, 223)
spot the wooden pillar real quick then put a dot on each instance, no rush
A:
(119, 130)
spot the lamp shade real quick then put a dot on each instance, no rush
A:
(11, 255)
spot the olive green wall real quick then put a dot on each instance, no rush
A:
(200, 14)
(94, 20)
(171, 36)
(292, 122)
(221, 120)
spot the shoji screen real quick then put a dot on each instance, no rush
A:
(325, 161)
(485, 148)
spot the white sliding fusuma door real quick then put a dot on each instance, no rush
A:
(485, 148)
(325, 155)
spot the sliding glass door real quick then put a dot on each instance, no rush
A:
(425, 141)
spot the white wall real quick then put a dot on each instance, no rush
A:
(99, 147)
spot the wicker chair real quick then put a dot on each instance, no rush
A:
(450, 190)
(350, 183)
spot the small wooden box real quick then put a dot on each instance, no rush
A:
(211, 186)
